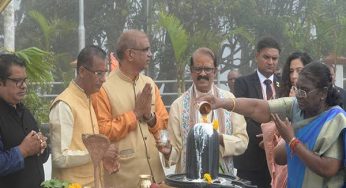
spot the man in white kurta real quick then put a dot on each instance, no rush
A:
(184, 114)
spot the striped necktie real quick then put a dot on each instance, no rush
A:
(269, 90)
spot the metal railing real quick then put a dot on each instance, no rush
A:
(162, 83)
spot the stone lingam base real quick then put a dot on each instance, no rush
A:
(202, 157)
(223, 181)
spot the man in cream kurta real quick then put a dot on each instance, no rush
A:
(234, 135)
(130, 112)
(72, 115)
(184, 114)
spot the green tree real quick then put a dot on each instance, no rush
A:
(179, 40)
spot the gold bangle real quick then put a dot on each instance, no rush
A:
(233, 99)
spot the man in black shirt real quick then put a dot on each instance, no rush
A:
(22, 147)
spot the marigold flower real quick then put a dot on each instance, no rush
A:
(216, 124)
(207, 178)
(74, 185)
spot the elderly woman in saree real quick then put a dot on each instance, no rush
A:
(290, 74)
(311, 124)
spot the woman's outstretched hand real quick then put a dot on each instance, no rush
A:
(211, 99)
(284, 128)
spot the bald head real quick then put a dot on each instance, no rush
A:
(231, 77)
(127, 40)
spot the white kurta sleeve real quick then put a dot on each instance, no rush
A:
(174, 129)
(236, 143)
(61, 129)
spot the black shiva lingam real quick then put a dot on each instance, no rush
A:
(202, 159)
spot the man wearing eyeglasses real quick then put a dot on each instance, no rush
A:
(184, 114)
(130, 112)
(22, 147)
(72, 115)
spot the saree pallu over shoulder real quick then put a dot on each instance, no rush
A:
(316, 140)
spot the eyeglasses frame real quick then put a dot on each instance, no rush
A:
(199, 70)
(305, 93)
(19, 82)
(98, 74)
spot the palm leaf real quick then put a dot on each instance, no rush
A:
(38, 62)
(179, 40)
(177, 34)
(43, 24)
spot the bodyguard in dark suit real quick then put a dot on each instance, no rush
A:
(341, 91)
(261, 84)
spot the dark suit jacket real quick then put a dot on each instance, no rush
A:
(253, 159)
